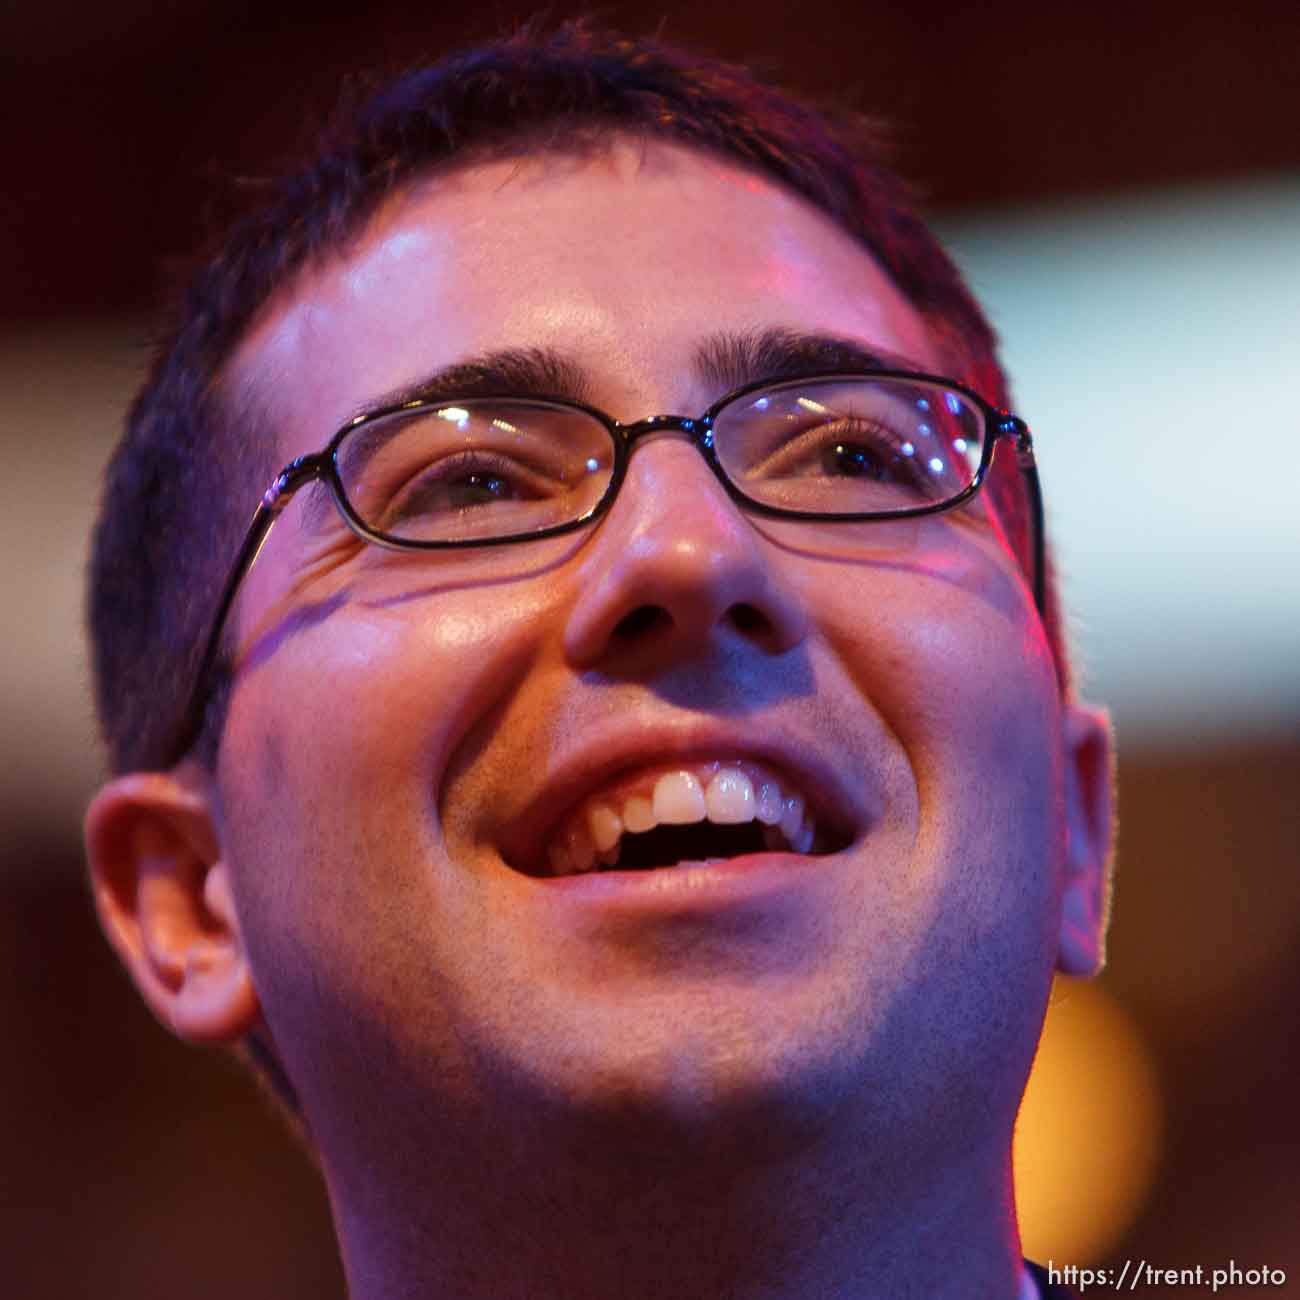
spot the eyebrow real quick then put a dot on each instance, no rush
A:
(730, 360)
(514, 372)
(721, 362)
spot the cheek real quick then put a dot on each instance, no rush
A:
(399, 660)
(943, 642)
(335, 751)
(958, 668)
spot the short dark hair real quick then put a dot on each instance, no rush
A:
(194, 457)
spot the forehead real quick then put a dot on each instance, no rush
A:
(622, 261)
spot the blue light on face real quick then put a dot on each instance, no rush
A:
(592, 464)
(953, 402)
(959, 444)
(936, 464)
(924, 430)
(908, 449)
(922, 403)
(762, 404)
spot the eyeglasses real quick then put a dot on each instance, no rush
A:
(497, 471)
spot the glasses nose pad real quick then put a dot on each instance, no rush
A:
(697, 430)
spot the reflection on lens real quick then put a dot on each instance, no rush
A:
(849, 446)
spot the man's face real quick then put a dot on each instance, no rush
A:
(409, 733)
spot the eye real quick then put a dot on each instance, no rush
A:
(475, 470)
(469, 480)
(478, 489)
(872, 445)
(839, 461)
(851, 460)
(846, 448)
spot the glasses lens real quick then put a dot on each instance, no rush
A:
(848, 446)
(475, 470)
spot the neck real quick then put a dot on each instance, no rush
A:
(527, 1216)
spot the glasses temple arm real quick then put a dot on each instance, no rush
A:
(1018, 431)
(274, 500)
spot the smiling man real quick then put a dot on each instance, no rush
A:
(630, 804)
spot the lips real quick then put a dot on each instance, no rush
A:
(700, 809)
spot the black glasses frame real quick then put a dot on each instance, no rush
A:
(323, 466)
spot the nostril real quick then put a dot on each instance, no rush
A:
(750, 621)
(645, 620)
(641, 621)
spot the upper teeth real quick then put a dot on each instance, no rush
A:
(724, 794)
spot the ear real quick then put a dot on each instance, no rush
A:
(1090, 840)
(164, 900)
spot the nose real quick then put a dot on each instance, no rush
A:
(675, 567)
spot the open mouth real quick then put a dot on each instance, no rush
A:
(695, 812)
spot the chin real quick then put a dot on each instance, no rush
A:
(681, 1079)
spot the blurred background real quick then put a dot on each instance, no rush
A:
(1122, 183)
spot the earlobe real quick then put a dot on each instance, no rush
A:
(1090, 836)
(163, 897)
